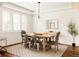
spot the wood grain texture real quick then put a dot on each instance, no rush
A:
(71, 52)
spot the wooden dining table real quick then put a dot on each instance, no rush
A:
(44, 38)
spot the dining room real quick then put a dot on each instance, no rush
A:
(39, 29)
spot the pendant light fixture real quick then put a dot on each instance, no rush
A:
(38, 10)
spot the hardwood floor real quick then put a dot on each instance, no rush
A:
(70, 52)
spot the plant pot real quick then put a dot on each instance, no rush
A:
(73, 45)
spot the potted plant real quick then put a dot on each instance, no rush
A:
(73, 31)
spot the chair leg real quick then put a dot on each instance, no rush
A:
(25, 45)
(57, 47)
(22, 43)
(29, 45)
(37, 47)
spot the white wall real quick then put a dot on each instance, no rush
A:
(61, 11)
(15, 36)
(0, 17)
(12, 37)
(64, 16)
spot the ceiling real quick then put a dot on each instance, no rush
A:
(45, 6)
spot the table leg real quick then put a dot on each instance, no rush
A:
(44, 44)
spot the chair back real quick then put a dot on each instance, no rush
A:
(57, 37)
(23, 32)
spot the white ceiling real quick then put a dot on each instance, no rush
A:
(44, 5)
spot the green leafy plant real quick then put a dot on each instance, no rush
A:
(72, 30)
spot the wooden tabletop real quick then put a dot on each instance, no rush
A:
(47, 34)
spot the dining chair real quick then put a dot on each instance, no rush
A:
(55, 41)
(28, 41)
(49, 41)
(38, 44)
(32, 39)
(23, 34)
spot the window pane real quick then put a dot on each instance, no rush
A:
(16, 21)
(24, 22)
(7, 26)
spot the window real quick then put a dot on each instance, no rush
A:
(52, 24)
(7, 22)
(24, 22)
(16, 21)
